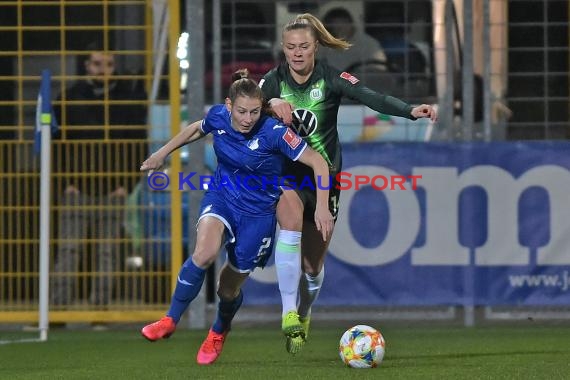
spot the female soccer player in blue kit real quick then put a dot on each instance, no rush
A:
(311, 91)
(238, 209)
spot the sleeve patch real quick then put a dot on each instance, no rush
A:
(349, 77)
(291, 138)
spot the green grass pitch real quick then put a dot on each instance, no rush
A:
(527, 351)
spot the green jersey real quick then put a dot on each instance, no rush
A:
(316, 103)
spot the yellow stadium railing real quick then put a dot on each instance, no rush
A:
(133, 282)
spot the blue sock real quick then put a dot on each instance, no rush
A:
(226, 312)
(190, 280)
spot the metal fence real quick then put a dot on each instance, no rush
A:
(97, 268)
(507, 58)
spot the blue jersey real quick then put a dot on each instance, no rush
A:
(250, 165)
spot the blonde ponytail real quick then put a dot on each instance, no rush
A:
(325, 38)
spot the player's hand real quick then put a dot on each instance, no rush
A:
(425, 110)
(324, 222)
(154, 162)
(282, 110)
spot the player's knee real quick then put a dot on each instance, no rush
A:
(290, 221)
(290, 213)
(204, 258)
(226, 293)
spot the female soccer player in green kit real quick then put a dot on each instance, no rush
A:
(306, 93)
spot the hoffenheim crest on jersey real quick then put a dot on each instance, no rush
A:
(253, 144)
(304, 122)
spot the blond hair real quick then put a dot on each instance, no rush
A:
(320, 32)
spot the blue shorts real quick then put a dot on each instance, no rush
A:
(249, 238)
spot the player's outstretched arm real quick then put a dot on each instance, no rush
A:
(351, 86)
(187, 135)
(323, 217)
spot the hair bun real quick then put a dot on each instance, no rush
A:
(240, 74)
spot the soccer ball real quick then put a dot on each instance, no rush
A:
(362, 346)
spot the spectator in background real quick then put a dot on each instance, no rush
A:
(364, 48)
(102, 141)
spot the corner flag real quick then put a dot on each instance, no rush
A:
(44, 111)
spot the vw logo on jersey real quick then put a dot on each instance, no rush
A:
(304, 122)
(316, 94)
